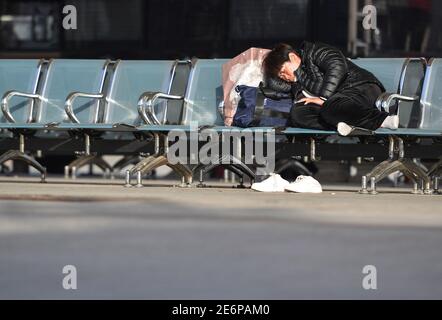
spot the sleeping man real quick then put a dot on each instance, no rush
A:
(333, 93)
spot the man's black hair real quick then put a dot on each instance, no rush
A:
(274, 60)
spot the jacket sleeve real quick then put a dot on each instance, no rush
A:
(278, 85)
(273, 94)
(333, 64)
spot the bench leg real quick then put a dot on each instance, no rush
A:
(420, 174)
(142, 164)
(435, 173)
(126, 161)
(136, 170)
(21, 156)
(293, 163)
(240, 174)
(230, 163)
(204, 169)
(184, 172)
(84, 160)
(4, 169)
(77, 163)
(380, 172)
(238, 164)
(367, 178)
(410, 169)
(155, 162)
(103, 165)
(436, 170)
(436, 185)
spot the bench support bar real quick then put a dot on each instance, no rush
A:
(20, 155)
(408, 167)
(158, 159)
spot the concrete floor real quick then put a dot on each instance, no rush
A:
(161, 242)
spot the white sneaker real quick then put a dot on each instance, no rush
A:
(305, 184)
(344, 129)
(273, 184)
(391, 122)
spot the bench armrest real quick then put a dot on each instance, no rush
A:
(70, 100)
(5, 103)
(385, 100)
(147, 101)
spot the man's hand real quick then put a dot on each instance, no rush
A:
(317, 101)
(228, 121)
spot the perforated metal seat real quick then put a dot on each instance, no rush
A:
(154, 98)
(18, 84)
(128, 82)
(61, 78)
(205, 90)
(46, 99)
(431, 112)
(19, 76)
(431, 101)
(201, 100)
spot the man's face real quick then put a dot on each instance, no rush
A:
(287, 72)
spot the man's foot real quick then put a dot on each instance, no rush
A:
(273, 184)
(391, 122)
(305, 184)
(344, 129)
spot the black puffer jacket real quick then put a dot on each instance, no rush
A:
(323, 72)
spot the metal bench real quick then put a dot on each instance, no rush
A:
(118, 117)
(201, 100)
(420, 124)
(83, 98)
(431, 110)
(19, 81)
(46, 112)
(136, 100)
(403, 77)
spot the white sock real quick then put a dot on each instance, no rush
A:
(391, 122)
(344, 129)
